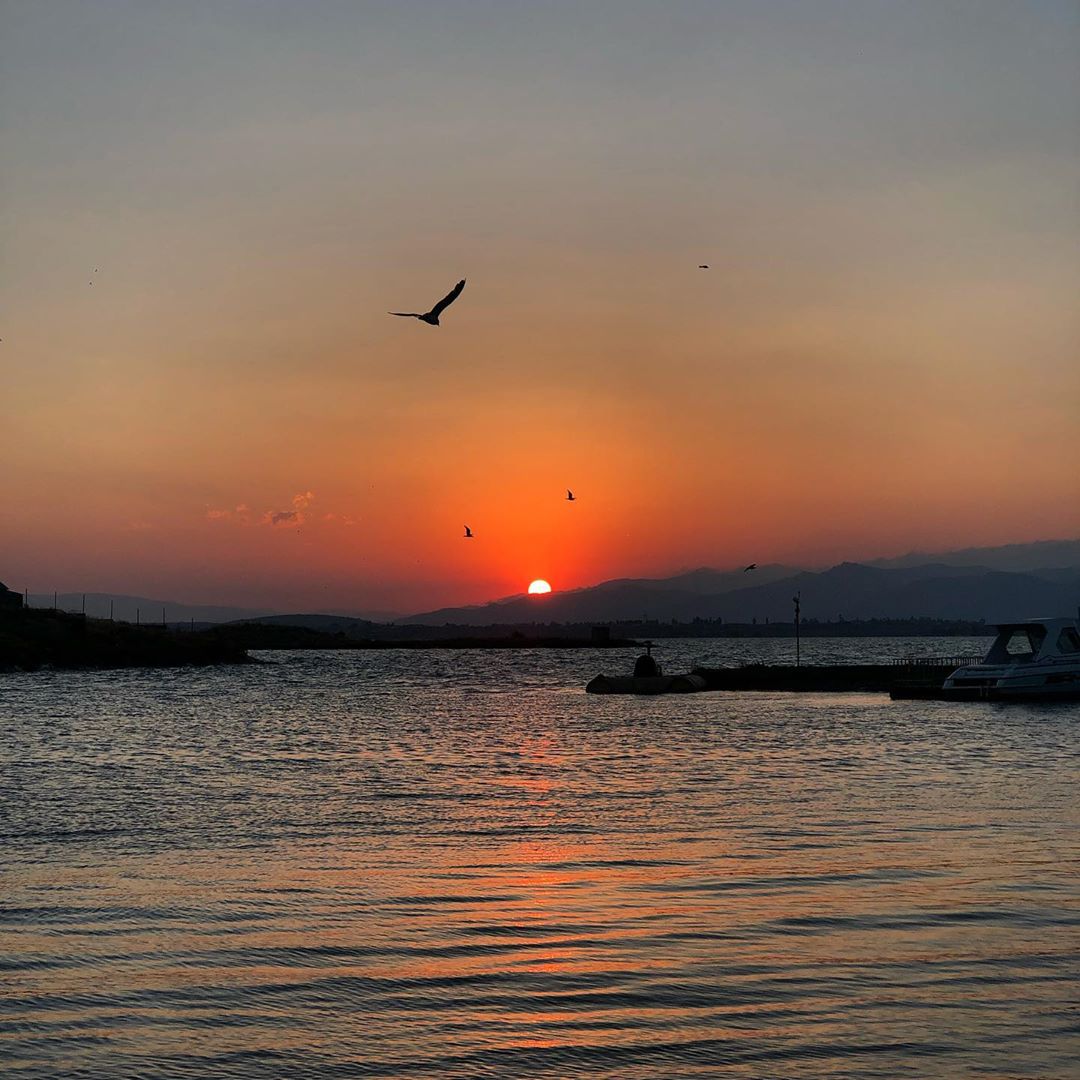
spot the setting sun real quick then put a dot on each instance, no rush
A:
(539, 586)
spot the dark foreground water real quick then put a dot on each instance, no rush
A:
(459, 865)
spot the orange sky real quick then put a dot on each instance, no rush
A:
(883, 355)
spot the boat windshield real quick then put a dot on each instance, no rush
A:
(1017, 645)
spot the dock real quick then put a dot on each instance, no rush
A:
(829, 678)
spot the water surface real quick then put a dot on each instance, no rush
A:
(411, 864)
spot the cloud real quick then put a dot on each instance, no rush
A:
(291, 517)
(241, 514)
(301, 502)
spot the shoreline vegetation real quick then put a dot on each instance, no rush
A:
(35, 638)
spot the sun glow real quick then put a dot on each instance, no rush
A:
(539, 586)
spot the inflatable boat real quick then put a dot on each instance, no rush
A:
(648, 678)
(645, 684)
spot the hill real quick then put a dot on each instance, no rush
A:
(124, 608)
(684, 596)
(31, 639)
(1039, 555)
(847, 591)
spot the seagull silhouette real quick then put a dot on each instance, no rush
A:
(569, 495)
(703, 266)
(752, 566)
(432, 317)
(468, 533)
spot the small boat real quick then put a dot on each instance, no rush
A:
(1034, 660)
(648, 678)
(637, 684)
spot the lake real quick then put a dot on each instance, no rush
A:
(458, 864)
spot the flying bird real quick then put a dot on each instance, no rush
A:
(703, 266)
(432, 317)
(569, 495)
(468, 533)
(752, 566)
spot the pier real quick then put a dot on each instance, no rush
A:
(924, 674)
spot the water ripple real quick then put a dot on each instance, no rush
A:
(348, 865)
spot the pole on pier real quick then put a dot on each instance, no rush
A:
(110, 610)
(798, 645)
(84, 603)
(163, 623)
(54, 600)
(138, 614)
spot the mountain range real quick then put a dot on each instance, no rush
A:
(1011, 582)
(847, 591)
(1008, 582)
(1040, 555)
(124, 608)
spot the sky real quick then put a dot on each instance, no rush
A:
(208, 208)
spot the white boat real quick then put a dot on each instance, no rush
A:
(1034, 660)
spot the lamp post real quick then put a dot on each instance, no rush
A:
(798, 647)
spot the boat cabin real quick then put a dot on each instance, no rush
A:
(1034, 641)
(646, 667)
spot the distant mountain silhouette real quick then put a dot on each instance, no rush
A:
(125, 608)
(683, 596)
(1006, 582)
(854, 591)
(1039, 555)
(850, 591)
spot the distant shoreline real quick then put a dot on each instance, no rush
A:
(356, 633)
(32, 639)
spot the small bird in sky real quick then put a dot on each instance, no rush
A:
(752, 566)
(703, 266)
(432, 317)
(468, 533)
(569, 495)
